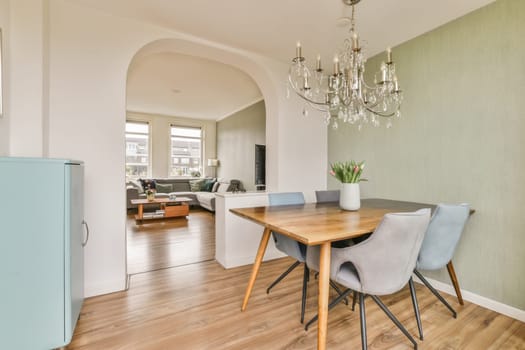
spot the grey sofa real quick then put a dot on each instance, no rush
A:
(178, 187)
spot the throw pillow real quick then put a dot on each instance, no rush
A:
(164, 188)
(215, 186)
(135, 184)
(196, 185)
(223, 187)
(208, 185)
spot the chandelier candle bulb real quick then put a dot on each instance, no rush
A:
(305, 85)
(298, 50)
(384, 77)
(355, 41)
(336, 65)
(388, 55)
(318, 65)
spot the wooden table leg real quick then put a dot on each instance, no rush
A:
(256, 265)
(455, 282)
(140, 211)
(324, 280)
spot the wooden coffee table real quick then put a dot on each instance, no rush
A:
(169, 208)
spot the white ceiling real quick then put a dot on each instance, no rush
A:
(271, 28)
(172, 84)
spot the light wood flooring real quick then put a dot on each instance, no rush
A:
(197, 306)
(163, 243)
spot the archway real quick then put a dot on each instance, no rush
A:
(152, 258)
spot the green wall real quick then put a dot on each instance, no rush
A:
(460, 139)
(236, 139)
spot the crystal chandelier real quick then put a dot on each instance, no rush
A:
(343, 95)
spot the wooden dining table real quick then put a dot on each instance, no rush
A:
(319, 224)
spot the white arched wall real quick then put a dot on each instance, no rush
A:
(240, 61)
(89, 55)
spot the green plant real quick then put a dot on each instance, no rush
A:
(348, 172)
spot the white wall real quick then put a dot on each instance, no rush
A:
(237, 239)
(88, 55)
(237, 136)
(4, 119)
(28, 76)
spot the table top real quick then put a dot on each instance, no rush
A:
(161, 200)
(316, 223)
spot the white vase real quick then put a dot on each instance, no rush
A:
(350, 198)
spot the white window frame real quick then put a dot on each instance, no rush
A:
(149, 143)
(172, 165)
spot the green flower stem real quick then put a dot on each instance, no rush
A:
(348, 172)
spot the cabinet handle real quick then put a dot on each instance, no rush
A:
(87, 233)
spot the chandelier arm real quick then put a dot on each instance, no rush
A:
(319, 108)
(385, 115)
(304, 97)
(371, 87)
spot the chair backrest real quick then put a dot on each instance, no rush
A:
(384, 262)
(442, 237)
(285, 198)
(283, 243)
(327, 196)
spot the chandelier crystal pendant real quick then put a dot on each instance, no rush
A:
(343, 95)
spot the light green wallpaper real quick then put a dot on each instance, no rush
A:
(460, 139)
(236, 139)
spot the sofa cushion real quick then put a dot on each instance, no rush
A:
(196, 185)
(206, 199)
(179, 185)
(208, 185)
(215, 186)
(135, 184)
(164, 188)
(223, 187)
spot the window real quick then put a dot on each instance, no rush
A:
(186, 151)
(137, 150)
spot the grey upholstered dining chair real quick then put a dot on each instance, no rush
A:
(442, 236)
(290, 246)
(327, 196)
(381, 265)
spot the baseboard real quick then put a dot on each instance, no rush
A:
(104, 288)
(487, 303)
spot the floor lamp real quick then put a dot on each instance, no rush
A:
(213, 163)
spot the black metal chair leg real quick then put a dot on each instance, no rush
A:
(330, 306)
(416, 307)
(354, 297)
(435, 292)
(283, 275)
(394, 319)
(338, 290)
(305, 289)
(362, 319)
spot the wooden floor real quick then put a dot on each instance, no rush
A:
(197, 306)
(159, 244)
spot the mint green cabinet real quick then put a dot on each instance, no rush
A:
(42, 232)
